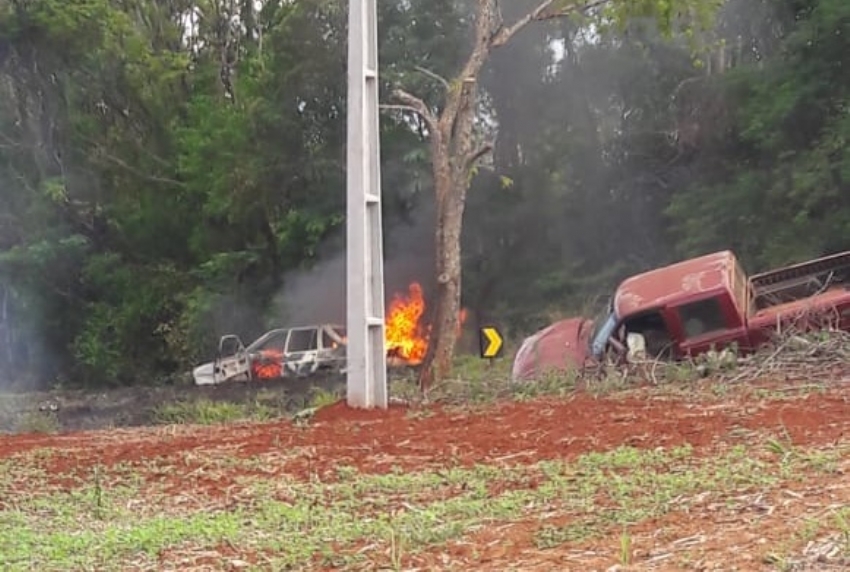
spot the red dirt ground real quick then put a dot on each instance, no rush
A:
(507, 433)
(378, 442)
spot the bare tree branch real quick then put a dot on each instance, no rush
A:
(455, 99)
(410, 102)
(542, 12)
(476, 155)
(409, 109)
(104, 154)
(433, 75)
(394, 107)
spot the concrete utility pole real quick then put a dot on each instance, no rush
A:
(367, 358)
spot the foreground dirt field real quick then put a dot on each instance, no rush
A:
(744, 479)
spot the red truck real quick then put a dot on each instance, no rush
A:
(693, 306)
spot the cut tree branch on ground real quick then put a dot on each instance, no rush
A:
(802, 359)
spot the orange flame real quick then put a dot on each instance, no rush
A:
(406, 337)
(269, 365)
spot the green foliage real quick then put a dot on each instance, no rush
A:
(323, 398)
(165, 206)
(37, 422)
(156, 186)
(778, 192)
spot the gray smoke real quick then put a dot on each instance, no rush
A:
(317, 295)
(24, 365)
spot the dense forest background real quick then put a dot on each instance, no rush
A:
(173, 170)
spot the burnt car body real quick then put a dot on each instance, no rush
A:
(283, 352)
(691, 307)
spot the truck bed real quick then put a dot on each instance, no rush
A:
(800, 281)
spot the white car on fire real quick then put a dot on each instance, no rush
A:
(284, 352)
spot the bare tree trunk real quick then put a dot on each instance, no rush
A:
(446, 317)
(454, 153)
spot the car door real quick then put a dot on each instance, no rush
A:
(232, 361)
(302, 351)
(331, 352)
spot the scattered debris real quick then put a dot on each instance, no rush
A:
(304, 416)
(51, 406)
(818, 356)
(829, 553)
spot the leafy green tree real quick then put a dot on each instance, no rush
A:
(778, 188)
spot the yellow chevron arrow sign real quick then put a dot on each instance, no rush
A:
(491, 342)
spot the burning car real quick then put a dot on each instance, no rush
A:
(307, 350)
(282, 352)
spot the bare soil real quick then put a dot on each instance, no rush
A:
(418, 438)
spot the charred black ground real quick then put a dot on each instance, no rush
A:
(74, 410)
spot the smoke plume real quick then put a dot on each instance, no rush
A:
(318, 295)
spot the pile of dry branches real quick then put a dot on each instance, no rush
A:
(809, 348)
(830, 553)
(819, 356)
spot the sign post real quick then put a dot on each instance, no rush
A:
(490, 342)
(366, 370)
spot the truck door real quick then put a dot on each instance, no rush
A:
(657, 340)
(710, 323)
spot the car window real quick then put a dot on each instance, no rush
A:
(274, 342)
(703, 317)
(302, 340)
(657, 341)
(328, 342)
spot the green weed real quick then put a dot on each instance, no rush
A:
(322, 398)
(114, 518)
(38, 422)
(208, 412)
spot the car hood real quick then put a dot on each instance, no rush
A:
(558, 347)
(204, 374)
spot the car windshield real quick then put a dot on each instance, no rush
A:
(272, 340)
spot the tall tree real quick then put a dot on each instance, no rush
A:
(458, 141)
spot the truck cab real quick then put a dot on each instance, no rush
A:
(690, 307)
(679, 310)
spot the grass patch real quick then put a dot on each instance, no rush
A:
(711, 376)
(208, 412)
(476, 381)
(114, 520)
(320, 397)
(37, 422)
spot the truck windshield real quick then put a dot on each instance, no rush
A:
(603, 327)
